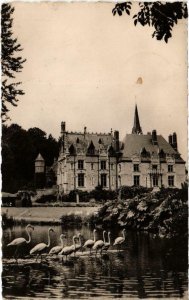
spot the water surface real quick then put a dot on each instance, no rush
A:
(146, 267)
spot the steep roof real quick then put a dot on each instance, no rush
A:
(134, 143)
(83, 140)
(136, 127)
(39, 157)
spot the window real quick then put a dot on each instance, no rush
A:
(81, 180)
(136, 180)
(103, 180)
(92, 166)
(103, 165)
(170, 168)
(80, 164)
(171, 180)
(92, 180)
(155, 180)
(112, 166)
(154, 167)
(112, 180)
(72, 165)
(136, 167)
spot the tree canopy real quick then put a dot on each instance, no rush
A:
(11, 63)
(20, 148)
(162, 16)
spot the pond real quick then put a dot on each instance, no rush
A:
(146, 267)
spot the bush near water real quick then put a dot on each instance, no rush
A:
(164, 212)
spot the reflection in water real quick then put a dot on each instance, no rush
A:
(146, 268)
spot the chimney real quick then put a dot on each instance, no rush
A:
(174, 141)
(63, 127)
(154, 137)
(170, 138)
(116, 138)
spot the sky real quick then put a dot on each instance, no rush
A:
(89, 68)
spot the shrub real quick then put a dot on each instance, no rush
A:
(127, 192)
(46, 198)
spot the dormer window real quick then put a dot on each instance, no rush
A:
(161, 153)
(91, 149)
(72, 150)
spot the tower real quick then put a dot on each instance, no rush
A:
(136, 127)
(39, 172)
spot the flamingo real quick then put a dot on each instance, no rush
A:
(41, 247)
(119, 240)
(57, 249)
(20, 241)
(99, 244)
(106, 244)
(78, 246)
(90, 243)
(69, 249)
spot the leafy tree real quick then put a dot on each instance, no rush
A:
(162, 16)
(11, 64)
(19, 150)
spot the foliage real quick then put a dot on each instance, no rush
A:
(127, 192)
(7, 221)
(162, 16)
(164, 213)
(46, 198)
(71, 219)
(10, 63)
(20, 148)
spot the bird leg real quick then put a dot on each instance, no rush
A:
(37, 257)
(15, 254)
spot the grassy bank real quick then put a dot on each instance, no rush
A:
(47, 215)
(164, 213)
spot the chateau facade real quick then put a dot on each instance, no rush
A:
(87, 160)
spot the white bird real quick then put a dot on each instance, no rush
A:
(90, 243)
(119, 240)
(78, 246)
(57, 249)
(20, 241)
(106, 244)
(69, 249)
(99, 244)
(41, 247)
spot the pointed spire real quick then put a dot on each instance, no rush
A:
(136, 128)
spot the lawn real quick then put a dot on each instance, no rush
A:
(46, 213)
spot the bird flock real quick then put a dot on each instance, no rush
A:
(98, 246)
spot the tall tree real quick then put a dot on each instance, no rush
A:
(162, 16)
(11, 62)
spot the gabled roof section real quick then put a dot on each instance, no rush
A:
(134, 143)
(89, 140)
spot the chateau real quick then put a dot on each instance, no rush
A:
(87, 160)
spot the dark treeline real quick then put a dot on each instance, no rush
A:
(19, 150)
